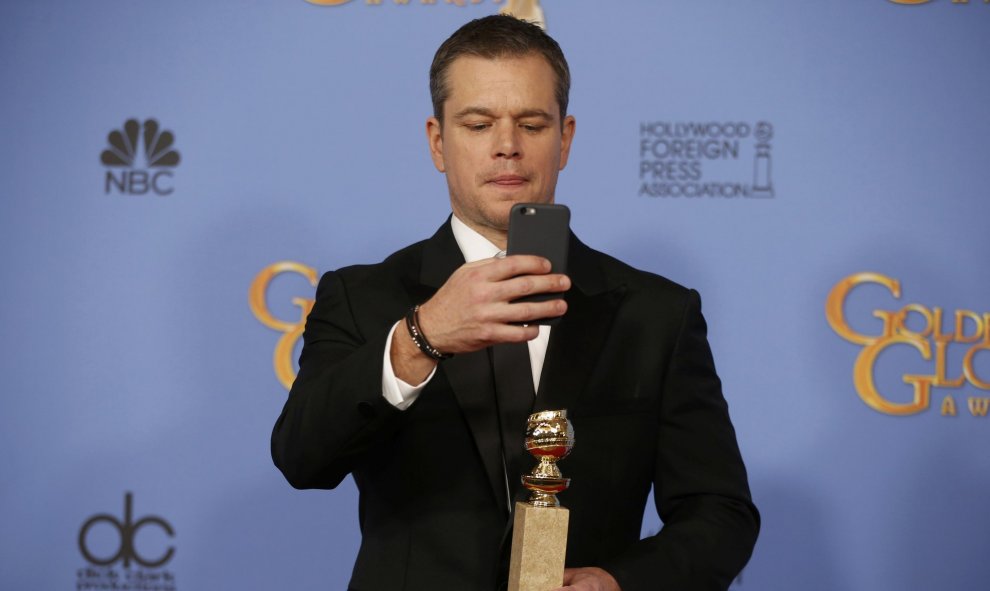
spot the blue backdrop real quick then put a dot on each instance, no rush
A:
(762, 153)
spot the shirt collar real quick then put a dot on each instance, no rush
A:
(473, 245)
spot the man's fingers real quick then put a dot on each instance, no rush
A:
(511, 333)
(475, 309)
(526, 311)
(517, 264)
(517, 287)
(588, 579)
(569, 575)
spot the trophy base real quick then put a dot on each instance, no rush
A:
(539, 546)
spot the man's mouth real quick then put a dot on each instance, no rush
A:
(507, 180)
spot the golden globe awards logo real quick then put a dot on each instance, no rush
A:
(929, 332)
(125, 173)
(291, 328)
(123, 532)
(706, 159)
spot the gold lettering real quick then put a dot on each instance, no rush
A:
(258, 301)
(922, 395)
(970, 327)
(960, 1)
(867, 390)
(257, 293)
(961, 317)
(282, 359)
(948, 406)
(836, 300)
(941, 381)
(900, 320)
(978, 406)
(937, 327)
(969, 369)
(889, 320)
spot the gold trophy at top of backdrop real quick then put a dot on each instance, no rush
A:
(526, 10)
(539, 534)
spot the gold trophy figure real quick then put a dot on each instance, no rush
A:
(526, 10)
(539, 534)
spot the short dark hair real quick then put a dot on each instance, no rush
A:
(493, 37)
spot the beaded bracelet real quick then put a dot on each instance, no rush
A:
(412, 325)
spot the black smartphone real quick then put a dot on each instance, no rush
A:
(541, 229)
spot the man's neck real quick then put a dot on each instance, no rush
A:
(473, 244)
(499, 238)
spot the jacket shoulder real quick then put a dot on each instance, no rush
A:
(616, 273)
(401, 263)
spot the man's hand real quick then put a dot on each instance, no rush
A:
(588, 579)
(473, 310)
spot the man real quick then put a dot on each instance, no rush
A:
(400, 381)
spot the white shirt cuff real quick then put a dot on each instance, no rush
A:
(399, 394)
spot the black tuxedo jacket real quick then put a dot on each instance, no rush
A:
(631, 363)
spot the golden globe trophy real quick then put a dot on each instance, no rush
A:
(526, 10)
(539, 530)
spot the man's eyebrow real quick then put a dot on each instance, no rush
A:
(486, 112)
(534, 113)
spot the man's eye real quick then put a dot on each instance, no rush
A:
(477, 126)
(533, 127)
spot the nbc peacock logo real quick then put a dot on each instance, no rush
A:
(130, 175)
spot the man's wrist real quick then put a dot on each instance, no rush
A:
(418, 337)
(409, 364)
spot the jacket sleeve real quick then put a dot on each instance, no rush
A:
(700, 485)
(335, 413)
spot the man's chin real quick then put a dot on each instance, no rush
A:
(499, 217)
(499, 223)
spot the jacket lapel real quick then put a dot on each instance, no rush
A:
(575, 344)
(574, 347)
(470, 378)
(470, 374)
(577, 340)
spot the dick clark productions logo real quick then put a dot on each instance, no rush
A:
(125, 173)
(125, 533)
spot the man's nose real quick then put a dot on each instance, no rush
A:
(507, 143)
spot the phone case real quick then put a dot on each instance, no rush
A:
(541, 229)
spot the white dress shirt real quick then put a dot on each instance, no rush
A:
(474, 247)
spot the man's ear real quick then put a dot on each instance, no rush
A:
(434, 135)
(566, 137)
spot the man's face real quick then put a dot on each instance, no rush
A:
(501, 141)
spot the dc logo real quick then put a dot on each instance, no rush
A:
(127, 530)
